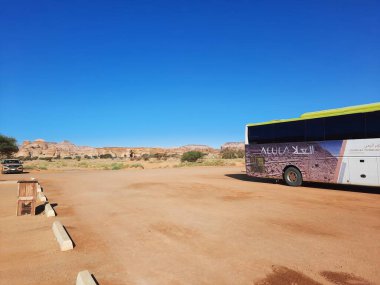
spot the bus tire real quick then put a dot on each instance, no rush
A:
(293, 176)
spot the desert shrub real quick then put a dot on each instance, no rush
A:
(136, 165)
(204, 162)
(107, 155)
(67, 157)
(28, 167)
(41, 165)
(83, 164)
(117, 166)
(78, 158)
(191, 156)
(160, 156)
(24, 158)
(87, 156)
(60, 164)
(174, 155)
(47, 158)
(232, 153)
(213, 162)
(145, 156)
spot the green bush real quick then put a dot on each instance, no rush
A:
(83, 164)
(47, 158)
(205, 162)
(191, 156)
(117, 166)
(145, 156)
(107, 155)
(28, 167)
(160, 156)
(232, 153)
(136, 165)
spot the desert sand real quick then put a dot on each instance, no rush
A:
(201, 225)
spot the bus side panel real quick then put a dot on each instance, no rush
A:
(363, 156)
(270, 160)
(317, 161)
(325, 162)
(363, 171)
(344, 171)
(260, 164)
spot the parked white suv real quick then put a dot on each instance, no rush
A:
(11, 166)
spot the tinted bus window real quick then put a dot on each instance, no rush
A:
(373, 124)
(289, 132)
(315, 130)
(260, 134)
(345, 127)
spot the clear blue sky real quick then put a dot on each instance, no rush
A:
(166, 73)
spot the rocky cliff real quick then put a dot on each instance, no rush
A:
(233, 146)
(40, 149)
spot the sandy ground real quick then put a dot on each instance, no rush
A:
(204, 225)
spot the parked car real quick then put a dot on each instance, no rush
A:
(11, 166)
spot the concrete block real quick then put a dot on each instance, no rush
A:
(49, 211)
(9, 182)
(41, 197)
(85, 278)
(64, 241)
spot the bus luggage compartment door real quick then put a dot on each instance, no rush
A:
(364, 171)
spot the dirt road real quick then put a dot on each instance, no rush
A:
(191, 226)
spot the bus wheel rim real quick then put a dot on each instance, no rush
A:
(292, 176)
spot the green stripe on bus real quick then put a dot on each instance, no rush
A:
(326, 113)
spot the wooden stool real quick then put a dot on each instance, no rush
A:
(26, 207)
(27, 194)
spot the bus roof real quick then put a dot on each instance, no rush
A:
(327, 113)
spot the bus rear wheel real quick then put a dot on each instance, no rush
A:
(293, 176)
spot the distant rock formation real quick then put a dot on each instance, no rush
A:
(40, 149)
(233, 146)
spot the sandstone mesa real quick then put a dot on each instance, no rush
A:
(40, 149)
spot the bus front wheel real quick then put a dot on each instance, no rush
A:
(293, 176)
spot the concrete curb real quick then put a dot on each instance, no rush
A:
(49, 211)
(64, 241)
(9, 182)
(84, 278)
